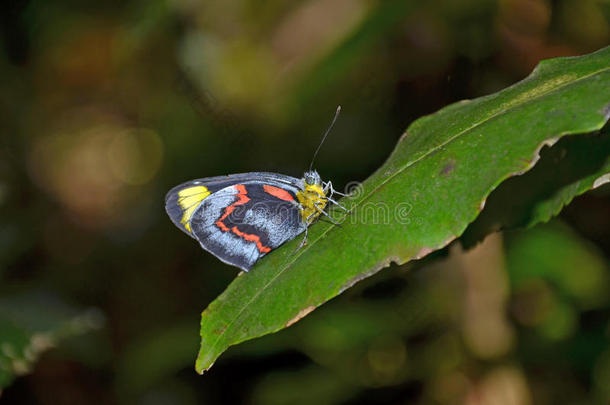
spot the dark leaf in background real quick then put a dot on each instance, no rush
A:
(32, 323)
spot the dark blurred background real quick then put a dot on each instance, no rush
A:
(104, 106)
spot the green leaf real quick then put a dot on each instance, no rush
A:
(33, 323)
(571, 167)
(432, 186)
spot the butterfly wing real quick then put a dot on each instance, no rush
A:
(242, 218)
(182, 200)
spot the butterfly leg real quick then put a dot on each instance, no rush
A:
(333, 191)
(321, 211)
(304, 241)
(329, 187)
(337, 204)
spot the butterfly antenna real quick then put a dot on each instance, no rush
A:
(324, 137)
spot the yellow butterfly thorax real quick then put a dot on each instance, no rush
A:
(313, 195)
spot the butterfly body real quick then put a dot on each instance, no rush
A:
(239, 218)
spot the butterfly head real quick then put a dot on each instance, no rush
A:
(312, 178)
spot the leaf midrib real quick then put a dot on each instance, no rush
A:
(386, 180)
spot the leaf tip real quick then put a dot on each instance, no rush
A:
(201, 366)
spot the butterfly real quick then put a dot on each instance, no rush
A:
(239, 218)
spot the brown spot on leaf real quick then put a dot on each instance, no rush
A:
(301, 314)
(403, 136)
(448, 168)
(425, 251)
(606, 111)
(529, 163)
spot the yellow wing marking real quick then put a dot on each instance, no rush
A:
(310, 197)
(189, 199)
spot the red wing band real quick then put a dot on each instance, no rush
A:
(278, 192)
(242, 199)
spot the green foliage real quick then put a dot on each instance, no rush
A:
(32, 323)
(571, 167)
(432, 186)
